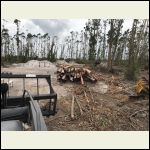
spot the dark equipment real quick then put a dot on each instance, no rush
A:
(4, 89)
(16, 110)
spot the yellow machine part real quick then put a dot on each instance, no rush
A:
(142, 86)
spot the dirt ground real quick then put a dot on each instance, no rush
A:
(105, 105)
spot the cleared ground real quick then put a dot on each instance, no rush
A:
(105, 104)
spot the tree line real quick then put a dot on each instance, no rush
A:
(100, 39)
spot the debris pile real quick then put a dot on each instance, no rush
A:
(75, 73)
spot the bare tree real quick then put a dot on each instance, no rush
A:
(132, 46)
(92, 28)
(17, 22)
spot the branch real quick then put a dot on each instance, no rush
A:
(72, 108)
(79, 105)
(138, 112)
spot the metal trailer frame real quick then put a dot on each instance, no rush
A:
(17, 101)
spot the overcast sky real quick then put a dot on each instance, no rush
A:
(51, 26)
(61, 28)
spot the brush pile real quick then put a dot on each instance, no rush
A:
(75, 73)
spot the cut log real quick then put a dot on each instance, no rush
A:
(82, 82)
(62, 71)
(72, 108)
(73, 73)
(72, 69)
(78, 75)
(59, 70)
(87, 71)
(64, 77)
(71, 78)
(94, 77)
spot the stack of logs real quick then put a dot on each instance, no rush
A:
(74, 73)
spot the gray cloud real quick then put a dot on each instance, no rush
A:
(52, 26)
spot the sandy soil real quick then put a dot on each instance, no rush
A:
(32, 67)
